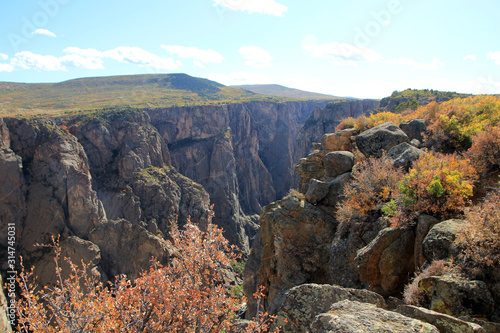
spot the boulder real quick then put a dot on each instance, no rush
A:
(443, 322)
(351, 316)
(457, 296)
(414, 129)
(387, 261)
(302, 303)
(403, 155)
(316, 191)
(335, 190)
(338, 162)
(338, 141)
(440, 241)
(424, 224)
(376, 140)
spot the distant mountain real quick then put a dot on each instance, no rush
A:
(149, 90)
(281, 91)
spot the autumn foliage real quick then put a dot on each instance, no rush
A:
(438, 184)
(187, 295)
(374, 182)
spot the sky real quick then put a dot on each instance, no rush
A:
(357, 48)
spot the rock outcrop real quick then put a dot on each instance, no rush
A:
(376, 140)
(324, 121)
(107, 187)
(242, 154)
(303, 303)
(351, 316)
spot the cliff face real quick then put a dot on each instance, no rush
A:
(242, 154)
(108, 189)
(325, 120)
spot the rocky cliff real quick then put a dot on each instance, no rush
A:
(324, 120)
(242, 154)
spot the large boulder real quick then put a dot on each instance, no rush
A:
(351, 316)
(338, 141)
(414, 129)
(443, 322)
(302, 303)
(387, 261)
(424, 224)
(316, 191)
(376, 140)
(338, 162)
(456, 296)
(440, 241)
(403, 155)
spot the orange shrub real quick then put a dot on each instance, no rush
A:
(438, 184)
(187, 295)
(373, 183)
(485, 151)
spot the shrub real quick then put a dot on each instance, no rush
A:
(485, 151)
(187, 295)
(480, 239)
(373, 183)
(438, 185)
(412, 294)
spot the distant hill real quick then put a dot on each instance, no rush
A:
(281, 91)
(150, 90)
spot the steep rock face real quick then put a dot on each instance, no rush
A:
(323, 121)
(242, 154)
(115, 166)
(131, 166)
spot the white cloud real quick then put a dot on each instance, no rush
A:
(138, 56)
(44, 32)
(6, 68)
(239, 78)
(495, 56)
(93, 53)
(128, 55)
(190, 52)
(256, 57)
(3, 56)
(341, 53)
(29, 60)
(269, 7)
(38, 62)
(198, 63)
(470, 57)
(75, 60)
(435, 64)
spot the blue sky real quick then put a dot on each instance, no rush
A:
(359, 48)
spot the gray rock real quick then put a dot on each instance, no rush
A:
(403, 155)
(350, 316)
(316, 191)
(424, 224)
(335, 190)
(338, 141)
(440, 241)
(302, 303)
(443, 322)
(378, 139)
(416, 143)
(338, 162)
(414, 129)
(456, 296)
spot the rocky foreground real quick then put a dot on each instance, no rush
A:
(324, 279)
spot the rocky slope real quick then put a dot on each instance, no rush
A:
(302, 246)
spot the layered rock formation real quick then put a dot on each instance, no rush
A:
(108, 189)
(242, 154)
